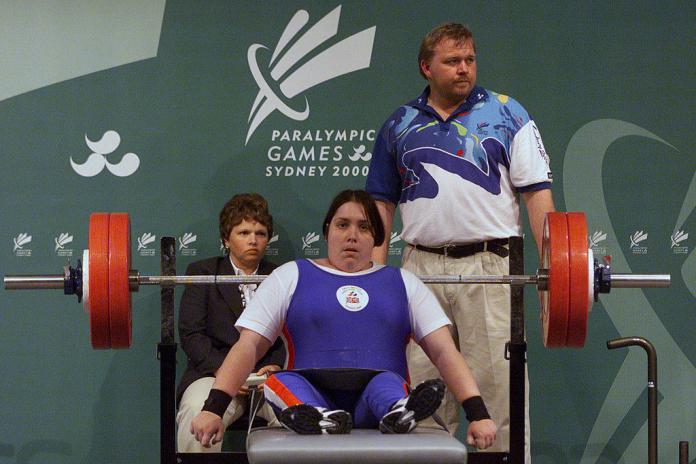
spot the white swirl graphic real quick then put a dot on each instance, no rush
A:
(582, 186)
(90, 168)
(127, 166)
(96, 162)
(105, 145)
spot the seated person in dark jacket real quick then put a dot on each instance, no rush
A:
(208, 313)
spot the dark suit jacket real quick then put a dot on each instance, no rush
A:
(207, 315)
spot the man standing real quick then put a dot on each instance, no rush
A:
(455, 160)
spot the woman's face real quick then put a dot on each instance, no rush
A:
(350, 241)
(247, 243)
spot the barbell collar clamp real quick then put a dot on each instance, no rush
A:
(542, 279)
(72, 280)
(134, 281)
(602, 278)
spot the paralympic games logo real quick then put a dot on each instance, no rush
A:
(596, 237)
(60, 241)
(19, 242)
(277, 86)
(677, 238)
(272, 250)
(185, 244)
(143, 241)
(308, 239)
(394, 249)
(636, 238)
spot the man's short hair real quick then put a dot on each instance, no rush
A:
(455, 31)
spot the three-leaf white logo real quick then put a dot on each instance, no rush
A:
(145, 240)
(62, 240)
(308, 239)
(395, 237)
(637, 237)
(678, 237)
(186, 239)
(596, 237)
(21, 240)
(310, 64)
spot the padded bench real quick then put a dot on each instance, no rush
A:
(273, 445)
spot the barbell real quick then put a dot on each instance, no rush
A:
(569, 281)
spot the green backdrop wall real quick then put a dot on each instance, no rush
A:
(188, 105)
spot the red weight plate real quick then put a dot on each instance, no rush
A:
(99, 280)
(554, 301)
(579, 296)
(119, 293)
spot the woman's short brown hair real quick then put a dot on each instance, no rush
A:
(368, 204)
(249, 206)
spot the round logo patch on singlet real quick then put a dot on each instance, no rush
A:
(352, 298)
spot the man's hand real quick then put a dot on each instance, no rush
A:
(481, 434)
(207, 428)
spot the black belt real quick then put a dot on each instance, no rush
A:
(497, 246)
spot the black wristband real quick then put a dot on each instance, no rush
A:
(475, 409)
(217, 402)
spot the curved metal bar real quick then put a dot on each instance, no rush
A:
(652, 387)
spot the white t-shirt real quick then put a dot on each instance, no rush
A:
(266, 313)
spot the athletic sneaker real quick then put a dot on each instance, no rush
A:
(308, 420)
(421, 403)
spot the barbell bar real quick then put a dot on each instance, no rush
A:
(568, 282)
(57, 281)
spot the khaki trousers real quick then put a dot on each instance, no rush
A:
(191, 404)
(481, 326)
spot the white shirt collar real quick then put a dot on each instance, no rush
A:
(238, 271)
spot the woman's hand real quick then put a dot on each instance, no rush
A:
(207, 428)
(267, 371)
(481, 433)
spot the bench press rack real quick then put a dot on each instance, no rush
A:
(568, 281)
(516, 352)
